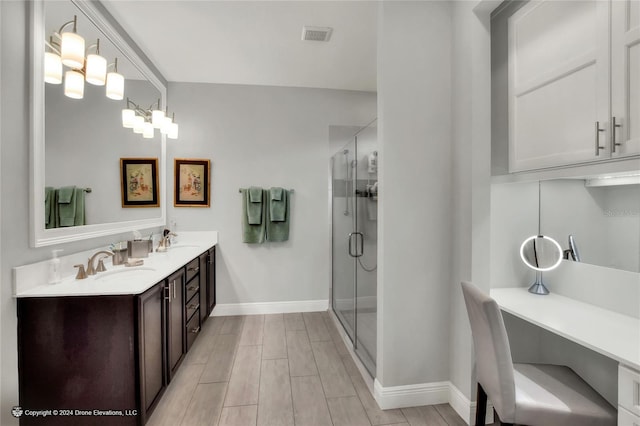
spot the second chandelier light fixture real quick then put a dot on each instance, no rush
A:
(68, 48)
(144, 121)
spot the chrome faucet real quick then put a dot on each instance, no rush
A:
(165, 241)
(101, 268)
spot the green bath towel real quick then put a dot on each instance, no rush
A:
(277, 204)
(254, 204)
(50, 208)
(79, 219)
(252, 233)
(71, 207)
(278, 231)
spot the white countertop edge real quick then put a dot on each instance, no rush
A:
(564, 316)
(163, 264)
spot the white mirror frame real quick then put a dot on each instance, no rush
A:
(40, 236)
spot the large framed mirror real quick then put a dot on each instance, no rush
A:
(79, 142)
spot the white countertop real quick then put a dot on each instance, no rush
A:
(118, 280)
(609, 333)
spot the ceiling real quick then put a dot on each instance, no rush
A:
(255, 42)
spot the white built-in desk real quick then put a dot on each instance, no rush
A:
(609, 333)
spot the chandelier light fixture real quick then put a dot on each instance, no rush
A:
(70, 51)
(144, 120)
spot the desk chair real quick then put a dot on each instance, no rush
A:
(526, 394)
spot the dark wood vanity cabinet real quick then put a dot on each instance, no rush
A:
(211, 280)
(109, 352)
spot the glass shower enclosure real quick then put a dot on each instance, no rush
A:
(354, 171)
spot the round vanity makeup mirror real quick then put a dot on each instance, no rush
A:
(540, 253)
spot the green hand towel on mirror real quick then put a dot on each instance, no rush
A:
(66, 209)
(79, 218)
(278, 204)
(254, 204)
(65, 194)
(251, 234)
(278, 231)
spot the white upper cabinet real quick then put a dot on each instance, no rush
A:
(560, 76)
(625, 77)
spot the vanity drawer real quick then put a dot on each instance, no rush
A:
(629, 390)
(191, 307)
(625, 418)
(193, 268)
(191, 289)
(193, 328)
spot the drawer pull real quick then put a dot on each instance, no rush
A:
(598, 130)
(194, 269)
(193, 306)
(193, 288)
(195, 330)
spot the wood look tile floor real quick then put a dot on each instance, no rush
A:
(278, 370)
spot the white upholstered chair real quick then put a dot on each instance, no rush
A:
(526, 394)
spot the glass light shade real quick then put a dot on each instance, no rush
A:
(138, 124)
(115, 86)
(147, 132)
(73, 84)
(157, 118)
(166, 125)
(173, 131)
(96, 71)
(128, 116)
(52, 68)
(72, 50)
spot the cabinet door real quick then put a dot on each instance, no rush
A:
(204, 259)
(152, 347)
(558, 83)
(625, 77)
(211, 280)
(175, 321)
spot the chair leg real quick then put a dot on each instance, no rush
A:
(481, 408)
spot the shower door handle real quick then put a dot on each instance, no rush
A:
(361, 244)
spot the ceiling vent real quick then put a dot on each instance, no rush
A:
(316, 33)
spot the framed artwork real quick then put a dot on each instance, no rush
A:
(139, 182)
(192, 182)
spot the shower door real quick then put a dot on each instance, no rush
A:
(354, 203)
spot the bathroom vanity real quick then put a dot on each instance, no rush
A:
(102, 350)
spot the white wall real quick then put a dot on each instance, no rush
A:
(414, 209)
(264, 136)
(471, 172)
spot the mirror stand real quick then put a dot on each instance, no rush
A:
(538, 286)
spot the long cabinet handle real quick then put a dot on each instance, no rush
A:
(174, 289)
(598, 130)
(614, 125)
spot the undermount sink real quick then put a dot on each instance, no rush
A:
(125, 274)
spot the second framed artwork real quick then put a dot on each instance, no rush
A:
(192, 182)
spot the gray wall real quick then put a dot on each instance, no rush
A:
(414, 210)
(264, 136)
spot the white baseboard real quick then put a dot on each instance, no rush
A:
(428, 394)
(465, 407)
(227, 309)
(411, 395)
